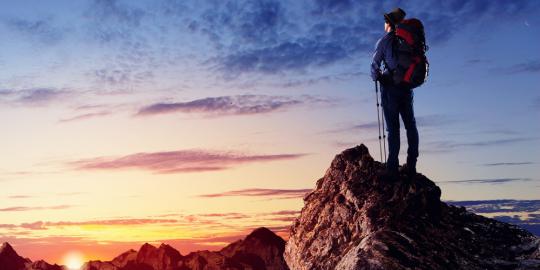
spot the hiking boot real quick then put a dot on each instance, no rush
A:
(390, 175)
(409, 170)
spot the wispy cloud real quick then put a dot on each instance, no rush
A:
(41, 30)
(486, 181)
(449, 145)
(38, 225)
(531, 66)
(20, 196)
(40, 95)
(112, 222)
(232, 105)
(262, 192)
(427, 121)
(507, 164)
(85, 116)
(35, 96)
(226, 215)
(32, 208)
(181, 161)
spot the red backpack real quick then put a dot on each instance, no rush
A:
(410, 52)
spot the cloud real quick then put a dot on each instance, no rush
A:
(524, 212)
(121, 75)
(286, 212)
(20, 196)
(426, 121)
(226, 215)
(507, 164)
(38, 225)
(39, 95)
(8, 226)
(295, 55)
(530, 224)
(531, 66)
(326, 32)
(262, 192)
(231, 105)
(112, 222)
(499, 206)
(447, 146)
(486, 181)
(284, 219)
(85, 116)
(41, 30)
(32, 208)
(112, 20)
(181, 161)
(35, 96)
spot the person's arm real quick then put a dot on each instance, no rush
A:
(389, 59)
(376, 62)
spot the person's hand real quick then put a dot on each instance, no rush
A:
(378, 77)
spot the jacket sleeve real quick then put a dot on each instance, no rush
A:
(389, 58)
(376, 62)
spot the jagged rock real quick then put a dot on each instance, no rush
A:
(122, 259)
(262, 249)
(99, 265)
(163, 258)
(10, 260)
(203, 260)
(356, 218)
(43, 265)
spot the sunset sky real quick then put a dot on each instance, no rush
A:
(194, 122)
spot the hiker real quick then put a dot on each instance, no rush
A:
(396, 99)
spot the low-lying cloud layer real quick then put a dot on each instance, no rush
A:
(181, 161)
(485, 181)
(262, 192)
(231, 105)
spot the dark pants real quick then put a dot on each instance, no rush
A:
(399, 101)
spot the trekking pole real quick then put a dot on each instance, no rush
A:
(383, 132)
(378, 119)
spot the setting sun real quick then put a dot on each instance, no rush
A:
(73, 260)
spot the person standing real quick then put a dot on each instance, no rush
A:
(396, 99)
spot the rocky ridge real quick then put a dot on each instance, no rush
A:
(358, 218)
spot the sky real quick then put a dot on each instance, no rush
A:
(194, 122)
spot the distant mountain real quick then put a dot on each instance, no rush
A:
(261, 249)
(360, 218)
(10, 260)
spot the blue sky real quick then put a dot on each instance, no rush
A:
(169, 101)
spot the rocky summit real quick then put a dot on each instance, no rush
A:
(357, 217)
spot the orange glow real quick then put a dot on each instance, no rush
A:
(73, 260)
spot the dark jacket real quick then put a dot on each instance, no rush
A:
(383, 53)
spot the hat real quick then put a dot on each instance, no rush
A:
(395, 16)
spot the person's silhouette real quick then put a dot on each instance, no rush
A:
(396, 99)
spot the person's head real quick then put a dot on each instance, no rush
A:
(393, 18)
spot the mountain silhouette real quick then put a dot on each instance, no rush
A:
(261, 249)
(356, 218)
(359, 218)
(10, 260)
